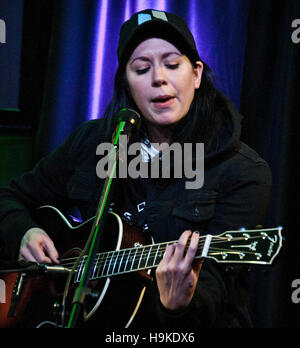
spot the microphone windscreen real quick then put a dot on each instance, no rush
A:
(131, 116)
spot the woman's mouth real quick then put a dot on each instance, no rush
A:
(162, 102)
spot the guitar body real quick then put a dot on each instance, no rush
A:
(119, 297)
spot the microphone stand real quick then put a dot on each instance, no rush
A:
(124, 127)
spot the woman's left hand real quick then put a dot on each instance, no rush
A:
(177, 275)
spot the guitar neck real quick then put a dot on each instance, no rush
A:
(243, 246)
(124, 261)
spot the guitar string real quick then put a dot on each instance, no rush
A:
(107, 274)
(152, 254)
(170, 243)
(115, 254)
(110, 271)
(201, 244)
(137, 258)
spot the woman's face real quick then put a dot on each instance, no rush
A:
(162, 81)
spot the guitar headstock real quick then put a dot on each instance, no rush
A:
(259, 246)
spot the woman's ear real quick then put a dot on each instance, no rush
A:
(198, 71)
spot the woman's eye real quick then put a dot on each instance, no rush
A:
(172, 66)
(142, 71)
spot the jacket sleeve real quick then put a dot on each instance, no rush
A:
(45, 184)
(221, 297)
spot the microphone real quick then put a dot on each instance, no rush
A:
(128, 121)
(33, 268)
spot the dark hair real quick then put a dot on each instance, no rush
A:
(197, 126)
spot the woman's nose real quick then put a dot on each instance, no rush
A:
(159, 77)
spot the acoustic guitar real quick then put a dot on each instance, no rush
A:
(41, 295)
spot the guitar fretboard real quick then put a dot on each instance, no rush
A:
(123, 261)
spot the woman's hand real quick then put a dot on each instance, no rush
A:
(177, 275)
(37, 246)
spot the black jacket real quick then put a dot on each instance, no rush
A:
(235, 194)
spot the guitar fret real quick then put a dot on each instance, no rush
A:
(103, 270)
(141, 258)
(146, 256)
(94, 268)
(121, 262)
(83, 264)
(133, 259)
(161, 254)
(99, 264)
(111, 258)
(127, 260)
(81, 269)
(149, 253)
(154, 262)
(116, 252)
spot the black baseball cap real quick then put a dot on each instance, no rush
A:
(153, 23)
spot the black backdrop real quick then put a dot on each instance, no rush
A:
(270, 104)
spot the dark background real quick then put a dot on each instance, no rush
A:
(260, 73)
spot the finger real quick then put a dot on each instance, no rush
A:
(38, 253)
(164, 263)
(180, 247)
(51, 250)
(192, 249)
(26, 255)
(169, 252)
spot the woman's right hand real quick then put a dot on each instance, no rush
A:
(37, 246)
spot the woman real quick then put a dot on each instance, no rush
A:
(161, 76)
